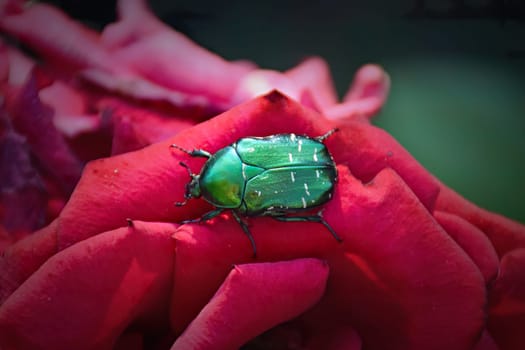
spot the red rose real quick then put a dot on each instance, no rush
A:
(419, 267)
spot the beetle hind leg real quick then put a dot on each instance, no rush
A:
(246, 230)
(311, 218)
(327, 135)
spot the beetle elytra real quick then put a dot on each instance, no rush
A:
(274, 176)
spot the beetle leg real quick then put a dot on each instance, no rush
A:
(246, 231)
(312, 218)
(194, 152)
(327, 135)
(208, 216)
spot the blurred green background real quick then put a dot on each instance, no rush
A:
(457, 100)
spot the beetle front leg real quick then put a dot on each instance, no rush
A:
(312, 218)
(246, 231)
(194, 153)
(208, 216)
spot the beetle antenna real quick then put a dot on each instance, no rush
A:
(180, 204)
(180, 148)
(188, 169)
(193, 153)
(327, 135)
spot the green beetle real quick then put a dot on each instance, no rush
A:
(271, 176)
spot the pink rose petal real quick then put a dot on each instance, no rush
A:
(59, 39)
(366, 96)
(19, 65)
(168, 58)
(314, 74)
(34, 120)
(139, 89)
(70, 110)
(22, 194)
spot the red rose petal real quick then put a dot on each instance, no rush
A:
(507, 302)
(135, 127)
(298, 335)
(24, 257)
(505, 234)
(4, 63)
(397, 273)
(130, 341)
(123, 185)
(5, 241)
(252, 299)
(366, 150)
(86, 296)
(402, 276)
(473, 241)
(486, 343)
(336, 337)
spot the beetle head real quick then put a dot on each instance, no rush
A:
(193, 189)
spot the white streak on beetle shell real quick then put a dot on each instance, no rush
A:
(317, 173)
(250, 149)
(300, 145)
(290, 157)
(244, 171)
(292, 176)
(304, 202)
(315, 155)
(292, 137)
(306, 189)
